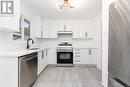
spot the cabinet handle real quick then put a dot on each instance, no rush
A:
(89, 51)
(77, 55)
(42, 54)
(64, 27)
(77, 52)
(86, 34)
(46, 52)
(41, 33)
(77, 60)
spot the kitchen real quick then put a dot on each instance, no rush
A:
(60, 43)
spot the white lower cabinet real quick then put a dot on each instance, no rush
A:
(42, 60)
(9, 72)
(85, 56)
(52, 57)
(92, 56)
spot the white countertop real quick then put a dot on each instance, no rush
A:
(17, 54)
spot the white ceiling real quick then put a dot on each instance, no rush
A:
(47, 8)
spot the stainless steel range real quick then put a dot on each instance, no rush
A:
(65, 53)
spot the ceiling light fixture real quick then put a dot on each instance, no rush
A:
(65, 4)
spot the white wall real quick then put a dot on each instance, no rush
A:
(7, 43)
(6, 38)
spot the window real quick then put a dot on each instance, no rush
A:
(24, 32)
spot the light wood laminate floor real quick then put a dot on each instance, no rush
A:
(69, 77)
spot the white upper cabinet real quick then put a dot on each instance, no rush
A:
(36, 27)
(53, 28)
(64, 25)
(59, 25)
(11, 22)
(45, 28)
(76, 30)
(68, 25)
(50, 27)
(86, 29)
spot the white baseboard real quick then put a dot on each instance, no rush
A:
(79, 65)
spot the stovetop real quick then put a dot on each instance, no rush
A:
(65, 47)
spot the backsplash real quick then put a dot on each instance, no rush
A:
(7, 43)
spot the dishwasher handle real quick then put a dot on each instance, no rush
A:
(24, 59)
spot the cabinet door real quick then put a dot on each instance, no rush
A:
(36, 27)
(84, 57)
(42, 61)
(86, 29)
(82, 29)
(45, 59)
(52, 57)
(76, 30)
(64, 25)
(45, 28)
(40, 58)
(92, 56)
(68, 24)
(11, 22)
(53, 29)
(90, 29)
(59, 25)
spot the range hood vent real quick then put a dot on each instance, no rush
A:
(65, 33)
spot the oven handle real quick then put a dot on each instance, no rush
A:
(64, 52)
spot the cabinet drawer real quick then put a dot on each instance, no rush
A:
(77, 61)
(77, 49)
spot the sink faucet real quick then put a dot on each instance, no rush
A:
(30, 39)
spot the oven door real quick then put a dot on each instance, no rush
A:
(65, 57)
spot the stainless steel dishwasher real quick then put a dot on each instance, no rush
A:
(27, 69)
